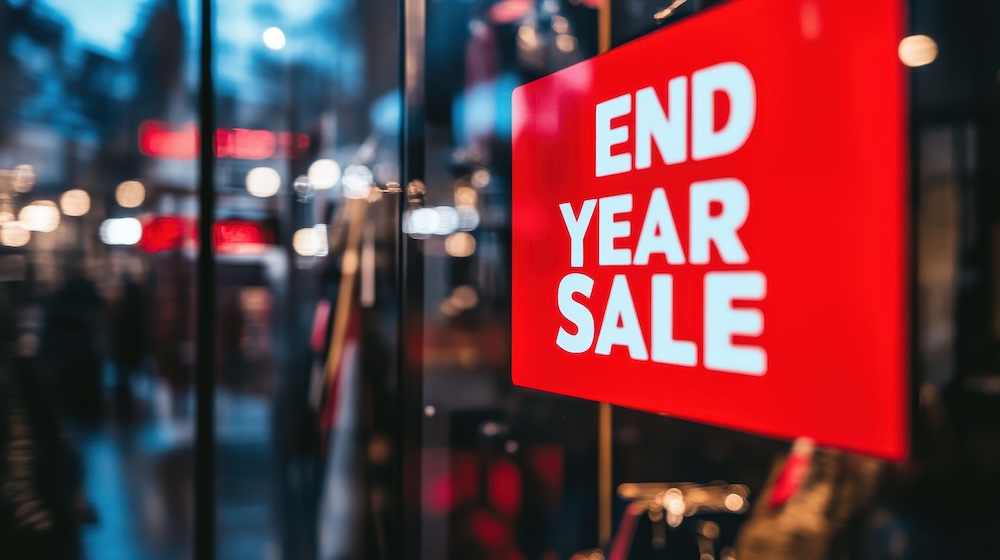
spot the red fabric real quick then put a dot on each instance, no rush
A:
(792, 474)
(622, 541)
(320, 321)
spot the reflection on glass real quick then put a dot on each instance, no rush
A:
(98, 341)
(99, 141)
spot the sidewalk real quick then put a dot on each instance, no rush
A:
(139, 479)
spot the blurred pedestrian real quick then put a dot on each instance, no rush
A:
(70, 346)
(130, 327)
(172, 328)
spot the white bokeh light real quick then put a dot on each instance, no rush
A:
(448, 220)
(468, 219)
(274, 38)
(357, 181)
(41, 216)
(311, 242)
(263, 182)
(422, 221)
(324, 174)
(120, 231)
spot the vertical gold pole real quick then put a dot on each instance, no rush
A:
(604, 27)
(604, 475)
(348, 271)
(604, 492)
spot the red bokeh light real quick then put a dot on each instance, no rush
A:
(165, 233)
(505, 487)
(229, 237)
(161, 140)
(240, 237)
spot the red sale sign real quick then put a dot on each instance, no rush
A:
(710, 223)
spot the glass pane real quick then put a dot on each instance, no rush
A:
(96, 404)
(511, 473)
(506, 473)
(307, 158)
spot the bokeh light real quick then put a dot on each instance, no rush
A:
(448, 220)
(480, 178)
(41, 216)
(324, 174)
(566, 43)
(468, 219)
(466, 197)
(357, 181)
(263, 182)
(130, 194)
(303, 187)
(917, 50)
(274, 38)
(24, 178)
(311, 242)
(465, 297)
(422, 221)
(120, 231)
(735, 502)
(13, 234)
(460, 244)
(75, 202)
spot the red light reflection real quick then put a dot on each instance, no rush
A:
(505, 487)
(157, 140)
(164, 233)
(229, 237)
(240, 143)
(240, 237)
(161, 140)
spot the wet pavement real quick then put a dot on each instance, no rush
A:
(139, 479)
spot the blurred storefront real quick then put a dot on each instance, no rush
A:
(321, 363)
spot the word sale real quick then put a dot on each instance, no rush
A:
(620, 324)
